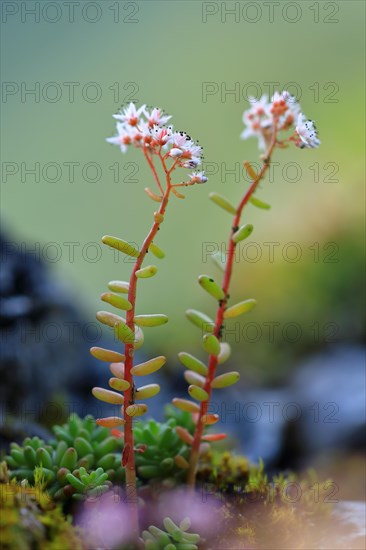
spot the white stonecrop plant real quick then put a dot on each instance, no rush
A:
(276, 124)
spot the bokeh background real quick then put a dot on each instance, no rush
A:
(169, 54)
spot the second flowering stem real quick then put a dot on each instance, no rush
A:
(213, 359)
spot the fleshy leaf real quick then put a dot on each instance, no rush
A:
(153, 320)
(214, 437)
(259, 204)
(152, 195)
(150, 366)
(116, 301)
(194, 378)
(136, 410)
(145, 392)
(157, 251)
(106, 355)
(225, 380)
(192, 363)
(198, 393)
(211, 344)
(110, 422)
(225, 352)
(208, 284)
(146, 272)
(221, 201)
(118, 384)
(250, 170)
(243, 233)
(185, 405)
(121, 245)
(124, 333)
(239, 308)
(118, 370)
(219, 259)
(108, 396)
(184, 435)
(119, 286)
(139, 338)
(201, 320)
(210, 419)
(109, 319)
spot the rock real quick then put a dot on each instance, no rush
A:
(330, 390)
(348, 529)
(45, 367)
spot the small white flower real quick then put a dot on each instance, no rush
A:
(307, 132)
(144, 131)
(192, 162)
(156, 117)
(193, 149)
(198, 177)
(127, 135)
(191, 153)
(258, 106)
(130, 115)
(160, 136)
(257, 120)
(178, 139)
(116, 140)
(123, 138)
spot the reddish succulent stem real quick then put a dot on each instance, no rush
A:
(153, 169)
(212, 362)
(128, 457)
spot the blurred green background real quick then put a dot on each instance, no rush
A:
(162, 53)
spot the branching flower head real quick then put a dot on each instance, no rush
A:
(146, 128)
(281, 113)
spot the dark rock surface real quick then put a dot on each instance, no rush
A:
(46, 369)
(320, 409)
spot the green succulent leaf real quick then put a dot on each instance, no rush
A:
(201, 320)
(259, 204)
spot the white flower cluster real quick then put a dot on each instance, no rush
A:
(146, 128)
(284, 112)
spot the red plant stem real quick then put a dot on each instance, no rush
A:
(212, 362)
(128, 456)
(156, 177)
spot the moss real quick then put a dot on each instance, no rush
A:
(225, 471)
(287, 512)
(29, 519)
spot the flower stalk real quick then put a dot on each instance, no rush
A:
(213, 359)
(264, 120)
(129, 394)
(144, 129)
